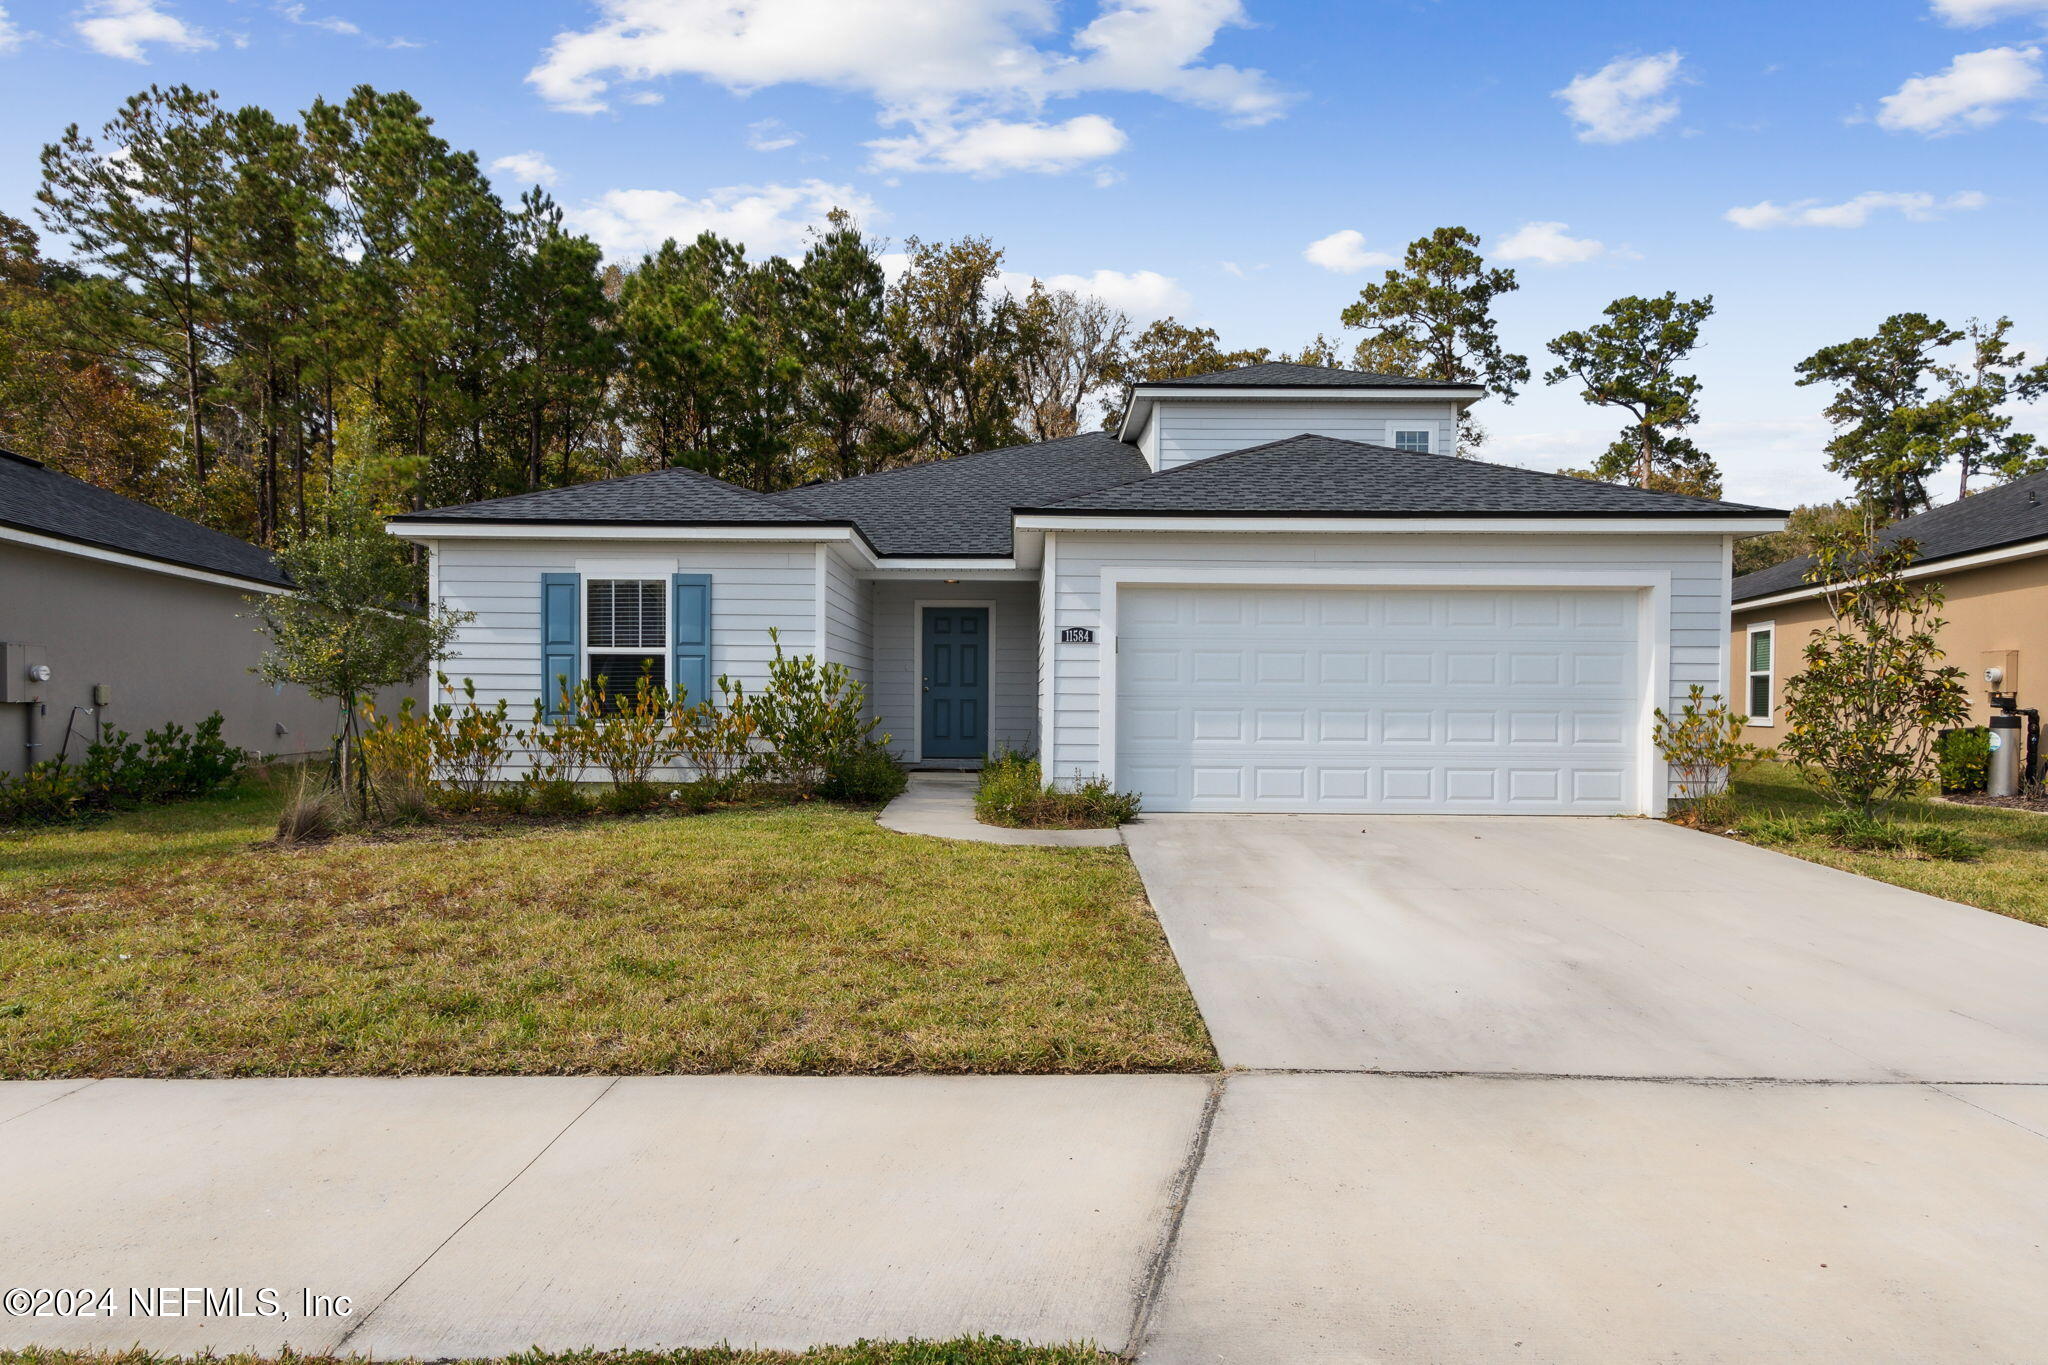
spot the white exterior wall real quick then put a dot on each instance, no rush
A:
(1013, 672)
(849, 619)
(753, 586)
(1696, 643)
(1181, 432)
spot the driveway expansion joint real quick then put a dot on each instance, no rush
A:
(1154, 1277)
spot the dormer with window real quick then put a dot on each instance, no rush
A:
(1174, 422)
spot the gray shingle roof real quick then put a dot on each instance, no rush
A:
(34, 498)
(962, 506)
(1325, 476)
(669, 497)
(2005, 515)
(1278, 375)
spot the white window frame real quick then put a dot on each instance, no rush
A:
(628, 575)
(1770, 675)
(1427, 432)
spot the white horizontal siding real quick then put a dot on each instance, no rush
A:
(1013, 628)
(754, 587)
(849, 621)
(1189, 430)
(1699, 596)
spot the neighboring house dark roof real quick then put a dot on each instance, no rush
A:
(34, 498)
(1278, 375)
(962, 506)
(2006, 515)
(668, 497)
(1326, 476)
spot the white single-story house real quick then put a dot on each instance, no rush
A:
(1276, 588)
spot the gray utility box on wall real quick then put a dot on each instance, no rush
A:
(26, 673)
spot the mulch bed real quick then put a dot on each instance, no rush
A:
(2037, 801)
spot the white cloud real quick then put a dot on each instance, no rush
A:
(1144, 294)
(1971, 93)
(768, 219)
(1976, 13)
(994, 146)
(953, 70)
(1548, 244)
(1917, 206)
(123, 28)
(771, 135)
(1623, 100)
(10, 33)
(528, 168)
(296, 13)
(1344, 252)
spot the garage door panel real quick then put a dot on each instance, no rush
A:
(1369, 699)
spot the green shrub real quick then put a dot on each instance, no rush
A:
(115, 774)
(1965, 758)
(554, 796)
(866, 775)
(631, 796)
(1013, 792)
(47, 793)
(808, 714)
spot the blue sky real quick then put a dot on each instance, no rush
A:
(1241, 163)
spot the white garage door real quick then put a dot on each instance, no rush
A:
(1351, 699)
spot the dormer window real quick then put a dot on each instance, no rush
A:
(1412, 438)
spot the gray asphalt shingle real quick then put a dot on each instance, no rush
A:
(2005, 515)
(1277, 374)
(669, 497)
(1326, 476)
(962, 506)
(39, 499)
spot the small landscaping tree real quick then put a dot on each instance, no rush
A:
(1705, 749)
(1860, 721)
(351, 626)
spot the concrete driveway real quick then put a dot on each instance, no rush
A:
(1582, 1174)
(1583, 948)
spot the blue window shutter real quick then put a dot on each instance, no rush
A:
(690, 613)
(561, 638)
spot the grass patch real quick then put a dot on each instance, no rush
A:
(2006, 850)
(796, 939)
(961, 1351)
(1012, 791)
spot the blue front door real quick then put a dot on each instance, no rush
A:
(955, 682)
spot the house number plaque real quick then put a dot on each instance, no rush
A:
(1077, 635)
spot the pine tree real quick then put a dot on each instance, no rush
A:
(1631, 362)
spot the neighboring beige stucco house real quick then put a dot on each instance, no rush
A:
(1990, 554)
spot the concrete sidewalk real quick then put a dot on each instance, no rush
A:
(1245, 1220)
(482, 1215)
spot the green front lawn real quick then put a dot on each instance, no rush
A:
(793, 939)
(2011, 878)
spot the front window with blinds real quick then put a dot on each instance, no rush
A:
(626, 624)
(1762, 645)
(1415, 439)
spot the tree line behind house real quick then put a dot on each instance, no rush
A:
(233, 311)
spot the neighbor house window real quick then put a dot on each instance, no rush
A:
(627, 628)
(1762, 645)
(1412, 438)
